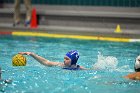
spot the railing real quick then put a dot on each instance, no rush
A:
(114, 3)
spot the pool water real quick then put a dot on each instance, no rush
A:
(111, 61)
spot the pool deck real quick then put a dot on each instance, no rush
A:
(99, 22)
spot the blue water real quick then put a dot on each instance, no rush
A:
(112, 61)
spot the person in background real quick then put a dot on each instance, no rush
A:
(1, 3)
(17, 12)
(70, 60)
(136, 74)
(0, 73)
(8, 81)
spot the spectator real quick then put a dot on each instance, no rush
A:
(1, 3)
(17, 12)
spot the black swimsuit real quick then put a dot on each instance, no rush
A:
(70, 68)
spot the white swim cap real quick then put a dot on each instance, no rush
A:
(137, 64)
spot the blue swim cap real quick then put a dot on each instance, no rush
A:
(73, 55)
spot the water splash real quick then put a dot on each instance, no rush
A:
(125, 68)
(105, 62)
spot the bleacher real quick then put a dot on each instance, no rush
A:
(90, 17)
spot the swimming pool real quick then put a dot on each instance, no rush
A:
(113, 60)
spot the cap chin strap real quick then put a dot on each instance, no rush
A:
(137, 65)
(137, 70)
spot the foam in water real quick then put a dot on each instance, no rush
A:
(110, 63)
(105, 62)
(125, 68)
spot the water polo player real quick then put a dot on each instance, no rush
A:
(70, 60)
(137, 64)
(2, 81)
(136, 74)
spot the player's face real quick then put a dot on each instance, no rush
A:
(67, 61)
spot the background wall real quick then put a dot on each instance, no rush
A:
(114, 3)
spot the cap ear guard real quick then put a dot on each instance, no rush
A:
(137, 64)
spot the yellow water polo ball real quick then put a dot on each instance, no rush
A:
(19, 60)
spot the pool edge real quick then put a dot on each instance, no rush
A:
(82, 37)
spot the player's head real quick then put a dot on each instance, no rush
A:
(137, 64)
(73, 55)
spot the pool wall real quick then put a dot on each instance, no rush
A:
(82, 37)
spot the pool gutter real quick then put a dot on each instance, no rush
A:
(81, 37)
